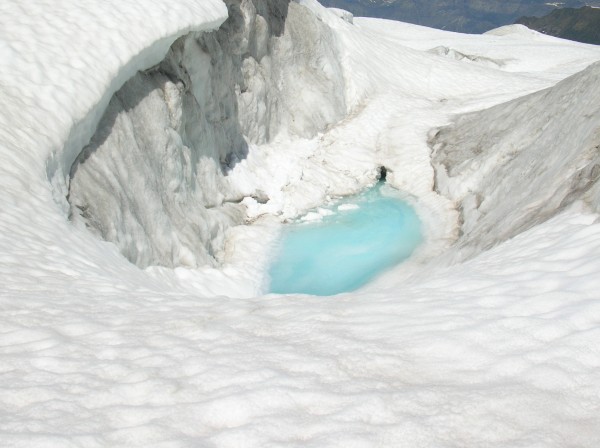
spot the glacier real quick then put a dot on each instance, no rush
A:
(122, 141)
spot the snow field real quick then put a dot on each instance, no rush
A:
(500, 350)
(485, 353)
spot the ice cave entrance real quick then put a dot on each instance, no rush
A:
(344, 246)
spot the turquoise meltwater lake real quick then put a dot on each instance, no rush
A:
(357, 239)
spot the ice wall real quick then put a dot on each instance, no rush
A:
(153, 179)
(516, 165)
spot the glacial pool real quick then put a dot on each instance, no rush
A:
(347, 244)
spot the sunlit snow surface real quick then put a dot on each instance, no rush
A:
(350, 244)
(499, 351)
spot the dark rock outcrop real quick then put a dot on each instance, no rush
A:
(581, 25)
(466, 16)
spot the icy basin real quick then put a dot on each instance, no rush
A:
(343, 247)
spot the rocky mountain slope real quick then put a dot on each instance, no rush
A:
(581, 25)
(467, 16)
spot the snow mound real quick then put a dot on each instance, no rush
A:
(515, 30)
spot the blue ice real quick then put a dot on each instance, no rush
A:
(347, 249)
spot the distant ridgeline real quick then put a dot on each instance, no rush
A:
(582, 25)
(467, 16)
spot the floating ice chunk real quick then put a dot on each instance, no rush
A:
(312, 216)
(325, 211)
(346, 207)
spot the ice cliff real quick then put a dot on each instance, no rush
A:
(154, 180)
(516, 165)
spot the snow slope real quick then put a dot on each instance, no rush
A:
(500, 350)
